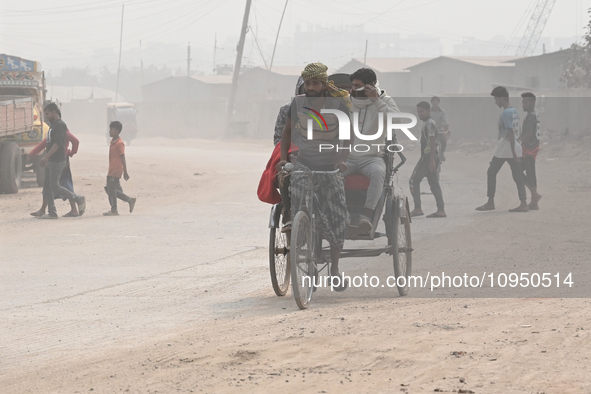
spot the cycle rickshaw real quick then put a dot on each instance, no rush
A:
(298, 254)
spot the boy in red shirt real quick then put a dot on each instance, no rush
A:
(117, 168)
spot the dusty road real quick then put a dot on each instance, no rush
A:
(176, 297)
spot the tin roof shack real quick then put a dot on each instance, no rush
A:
(194, 88)
(541, 72)
(181, 107)
(259, 96)
(278, 84)
(393, 74)
(456, 75)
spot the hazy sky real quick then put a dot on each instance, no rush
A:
(62, 31)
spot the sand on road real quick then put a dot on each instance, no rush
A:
(176, 297)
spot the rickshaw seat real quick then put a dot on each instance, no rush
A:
(356, 182)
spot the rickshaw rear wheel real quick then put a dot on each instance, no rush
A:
(279, 258)
(399, 236)
(302, 260)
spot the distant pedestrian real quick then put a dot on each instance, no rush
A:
(440, 118)
(117, 168)
(530, 145)
(508, 150)
(54, 162)
(428, 164)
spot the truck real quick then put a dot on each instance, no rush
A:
(22, 97)
(125, 113)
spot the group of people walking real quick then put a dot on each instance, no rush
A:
(58, 181)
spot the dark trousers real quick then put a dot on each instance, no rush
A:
(65, 181)
(529, 168)
(517, 171)
(421, 171)
(51, 187)
(114, 191)
(284, 184)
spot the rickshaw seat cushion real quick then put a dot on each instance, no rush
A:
(356, 182)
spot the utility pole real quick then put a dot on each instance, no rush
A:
(120, 48)
(271, 65)
(237, 65)
(365, 55)
(141, 66)
(277, 37)
(189, 60)
(215, 47)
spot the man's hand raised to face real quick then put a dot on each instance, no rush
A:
(371, 92)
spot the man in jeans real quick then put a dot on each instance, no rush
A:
(427, 165)
(54, 163)
(440, 118)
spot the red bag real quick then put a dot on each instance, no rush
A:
(268, 184)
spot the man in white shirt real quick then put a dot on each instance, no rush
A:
(508, 150)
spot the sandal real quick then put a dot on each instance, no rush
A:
(286, 227)
(437, 215)
(342, 287)
(37, 214)
(70, 215)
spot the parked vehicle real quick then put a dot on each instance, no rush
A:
(22, 96)
(127, 115)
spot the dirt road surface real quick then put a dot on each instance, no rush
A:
(176, 297)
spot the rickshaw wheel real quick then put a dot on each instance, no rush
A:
(302, 260)
(398, 233)
(279, 261)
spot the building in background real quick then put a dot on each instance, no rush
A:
(393, 74)
(456, 75)
(542, 72)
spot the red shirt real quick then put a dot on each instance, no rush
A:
(70, 139)
(116, 151)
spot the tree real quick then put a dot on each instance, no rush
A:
(73, 76)
(577, 71)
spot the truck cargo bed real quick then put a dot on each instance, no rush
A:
(16, 115)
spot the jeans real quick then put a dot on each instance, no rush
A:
(373, 168)
(53, 173)
(65, 181)
(114, 191)
(517, 171)
(529, 166)
(422, 170)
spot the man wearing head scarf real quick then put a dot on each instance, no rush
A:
(370, 102)
(320, 153)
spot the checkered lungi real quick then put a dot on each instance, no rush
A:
(333, 217)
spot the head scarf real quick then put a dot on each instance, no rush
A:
(316, 71)
(319, 72)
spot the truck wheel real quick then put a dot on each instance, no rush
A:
(11, 167)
